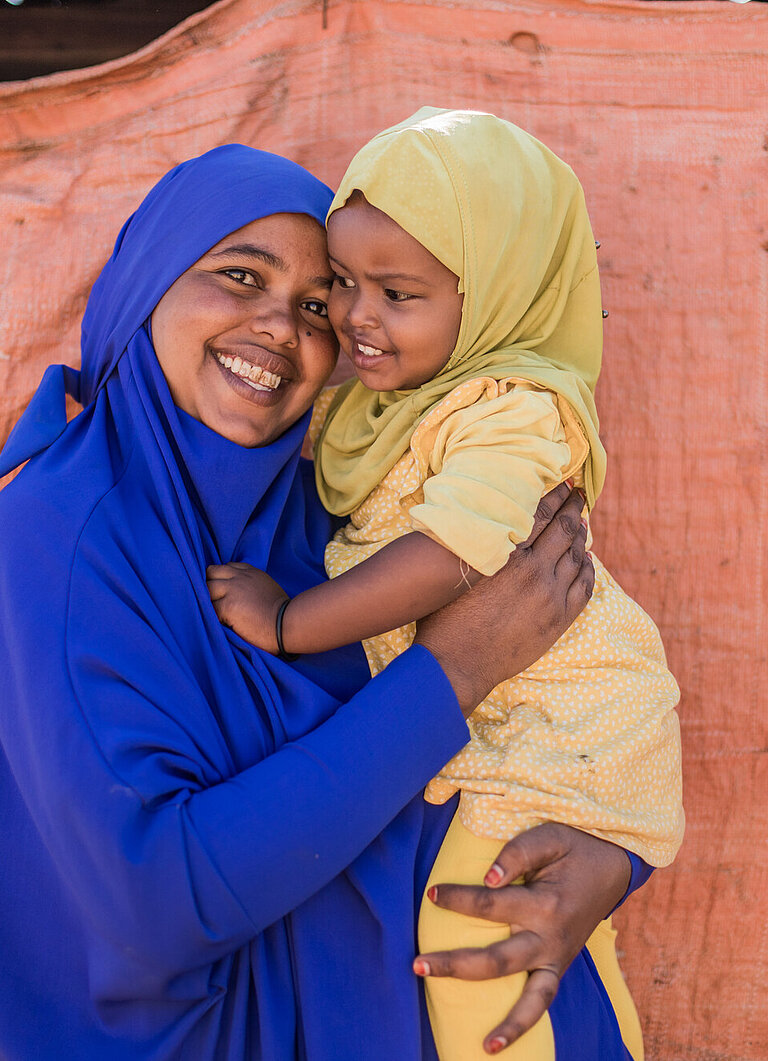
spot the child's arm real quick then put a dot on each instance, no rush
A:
(406, 580)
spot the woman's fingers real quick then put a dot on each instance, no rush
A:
(526, 853)
(514, 905)
(581, 589)
(557, 536)
(538, 995)
(513, 955)
(548, 507)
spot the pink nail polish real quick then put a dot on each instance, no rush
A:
(421, 968)
(497, 1043)
(569, 483)
(494, 875)
(432, 893)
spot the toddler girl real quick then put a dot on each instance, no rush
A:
(467, 298)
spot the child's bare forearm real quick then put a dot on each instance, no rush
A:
(406, 580)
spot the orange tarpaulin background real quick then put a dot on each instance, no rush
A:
(661, 109)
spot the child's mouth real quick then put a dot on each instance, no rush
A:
(368, 358)
(369, 351)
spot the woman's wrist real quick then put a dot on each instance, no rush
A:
(468, 682)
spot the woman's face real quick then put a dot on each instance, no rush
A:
(243, 337)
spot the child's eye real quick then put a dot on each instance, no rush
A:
(315, 306)
(397, 296)
(242, 276)
(343, 281)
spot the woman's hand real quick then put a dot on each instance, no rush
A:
(505, 623)
(572, 881)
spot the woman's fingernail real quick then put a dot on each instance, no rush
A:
(432, 893)
(497, 1043)
(584, 523)
(421, 968)
(569, 483)
(494, 875)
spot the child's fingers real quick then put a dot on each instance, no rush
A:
(217, 572)
(217, 590)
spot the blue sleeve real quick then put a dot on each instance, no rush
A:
(640, 872)
(170, 867)
(321, 799)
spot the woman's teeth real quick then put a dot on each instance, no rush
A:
(253, 375)
(369, 351)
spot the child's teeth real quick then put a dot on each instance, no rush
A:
(370, 351)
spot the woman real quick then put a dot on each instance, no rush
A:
(192, 862)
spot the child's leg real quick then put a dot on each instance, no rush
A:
(602, 946)
(462, 1012)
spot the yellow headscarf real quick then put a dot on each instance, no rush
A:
(508, 218)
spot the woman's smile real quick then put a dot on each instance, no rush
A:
(250, 369)
(243, 337)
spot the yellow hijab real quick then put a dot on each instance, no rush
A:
(508, 218)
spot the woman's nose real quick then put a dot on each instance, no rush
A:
(277, 320)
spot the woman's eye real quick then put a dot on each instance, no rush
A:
(343, 281)
(242, 276)
(314, 305)
(397, 296)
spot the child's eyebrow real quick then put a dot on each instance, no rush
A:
(408, 277)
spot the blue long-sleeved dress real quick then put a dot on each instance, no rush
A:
(206, 854)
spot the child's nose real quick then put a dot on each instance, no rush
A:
(361, 312)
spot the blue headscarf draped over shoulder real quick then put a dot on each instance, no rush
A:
(139, 734)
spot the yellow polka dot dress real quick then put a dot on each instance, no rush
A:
(588, 735)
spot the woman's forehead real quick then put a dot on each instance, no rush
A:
(279, 241)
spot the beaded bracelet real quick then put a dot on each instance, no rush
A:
(289, 657)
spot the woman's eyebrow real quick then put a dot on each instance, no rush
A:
(249, 250)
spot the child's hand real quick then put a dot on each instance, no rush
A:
(248, 601)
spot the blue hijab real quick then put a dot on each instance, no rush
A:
(222, 858)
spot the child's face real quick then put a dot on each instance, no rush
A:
(395, 308)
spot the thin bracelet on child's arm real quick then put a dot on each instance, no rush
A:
(289, 657)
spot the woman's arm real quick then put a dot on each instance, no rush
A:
(172, 868)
